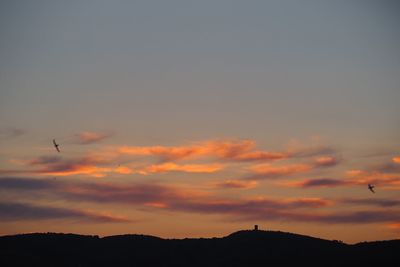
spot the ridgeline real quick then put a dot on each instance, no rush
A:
(242, 248)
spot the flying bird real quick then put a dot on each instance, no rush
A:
(371, 188)
(56, 145)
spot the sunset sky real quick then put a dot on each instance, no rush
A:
(200, 118)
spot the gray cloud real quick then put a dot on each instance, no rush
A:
(51, 164)
(387, 168)
(322, 182)
(12, 132)
(311, 152)
(86, 138)
(356, 217)
(372, 202)
(22, 211)
(156, 196)
(22, 183)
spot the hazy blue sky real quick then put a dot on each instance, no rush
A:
(170, 73)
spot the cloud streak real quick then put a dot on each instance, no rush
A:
(326, 161)
(55, 165)
(239, 150)
(22, 183)
(385, 181)
(11, 211)
(384, 175)
(237, 184)
(353, 217)
(380, 202)
(192, 168)
(86, 138)
(268, 171)
(180, 199)
(319, 182)
(215, 156)
(12, 132)
(102, 164)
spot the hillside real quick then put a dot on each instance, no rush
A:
(242, 248)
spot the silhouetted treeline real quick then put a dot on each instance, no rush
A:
(243, 248)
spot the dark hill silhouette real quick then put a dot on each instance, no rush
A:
(243, 248)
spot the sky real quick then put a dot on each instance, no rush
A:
(200, 118)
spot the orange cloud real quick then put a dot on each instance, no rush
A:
(80, 169)
(168, 153)
(158, 205)
(99, 165)
(194, 168)
(123, 170)
(396, 159)
(230, 150)
(326, 161)
(381, 179)
(53, 165)
(260, 155)
(354, 173)
(395, 226)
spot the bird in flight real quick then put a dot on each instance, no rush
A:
(371, 188)
(56, 145)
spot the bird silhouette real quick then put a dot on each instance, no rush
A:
(56, 145)
(371, 188)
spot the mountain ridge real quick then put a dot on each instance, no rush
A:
(241, 248)
(239, 232)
